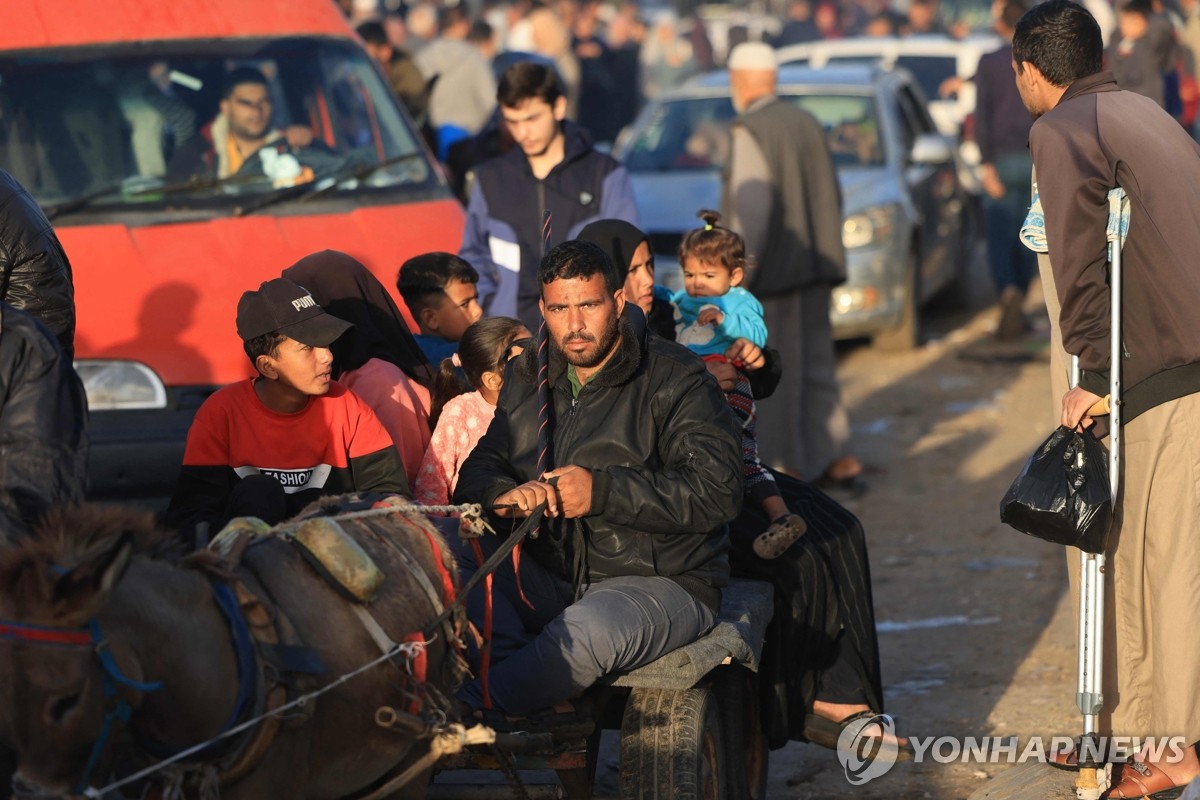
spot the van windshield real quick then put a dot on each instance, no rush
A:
(180, 124)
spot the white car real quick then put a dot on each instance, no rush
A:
(931, 58)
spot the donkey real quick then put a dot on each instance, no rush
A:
(92, 573)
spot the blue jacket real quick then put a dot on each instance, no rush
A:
(743, 320)
(503, 235)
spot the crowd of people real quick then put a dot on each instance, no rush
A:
(549, 373)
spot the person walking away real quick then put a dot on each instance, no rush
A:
(1089, 136)
(1002, 133)
(554, 168)
(799, 28)
(596, 87)
(781, 194)
(625, 33)
(463, 87)
(1134, 57)
(551, 39)
(403, 75)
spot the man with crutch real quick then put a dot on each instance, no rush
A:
(1089, 138)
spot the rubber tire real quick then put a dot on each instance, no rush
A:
(906, 335)
(747, 756)
(672, 745)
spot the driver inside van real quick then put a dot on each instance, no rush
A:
(241, 141)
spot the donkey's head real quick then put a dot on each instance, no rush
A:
(53, 589)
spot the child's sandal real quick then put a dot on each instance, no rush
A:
(783, 532)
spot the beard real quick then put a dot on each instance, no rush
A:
(594, 355)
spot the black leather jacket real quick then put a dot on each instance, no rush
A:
(665, 455)
(35, 275)
(43, 424)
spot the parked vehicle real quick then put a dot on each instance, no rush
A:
(932, 59)
(903, 203)
(95, 99)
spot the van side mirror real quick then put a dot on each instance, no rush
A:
(932, 149)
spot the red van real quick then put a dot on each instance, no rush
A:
(95, 100)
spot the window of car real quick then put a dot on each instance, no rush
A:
(693, 133)
(914, 118)
(929, 71)
(102, 126)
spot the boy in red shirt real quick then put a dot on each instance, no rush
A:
(270, 445)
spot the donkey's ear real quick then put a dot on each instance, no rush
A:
(81, 593)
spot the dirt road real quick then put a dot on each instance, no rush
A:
(975, 631)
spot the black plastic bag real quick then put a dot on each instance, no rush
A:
(1062, 495)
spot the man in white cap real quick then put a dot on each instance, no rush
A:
(781, 193)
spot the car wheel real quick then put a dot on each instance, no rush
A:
(906, 334)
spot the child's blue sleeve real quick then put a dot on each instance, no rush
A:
(662, 293)
(743, 317)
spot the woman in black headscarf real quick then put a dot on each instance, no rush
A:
(378, 358)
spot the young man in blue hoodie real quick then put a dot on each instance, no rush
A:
(553, 168)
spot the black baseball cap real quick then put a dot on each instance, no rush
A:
(287, 307)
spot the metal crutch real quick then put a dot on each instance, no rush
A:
(1093, 779)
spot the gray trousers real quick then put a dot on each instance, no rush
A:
(557, 649)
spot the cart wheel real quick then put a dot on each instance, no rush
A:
(671, 745)
(746, 751)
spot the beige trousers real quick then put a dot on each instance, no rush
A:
(1151, 679)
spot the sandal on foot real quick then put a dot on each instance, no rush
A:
(783, 532)
(826, 732)
(1142, 780)
(1066, 759)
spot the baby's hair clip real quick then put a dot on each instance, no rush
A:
(708, 226)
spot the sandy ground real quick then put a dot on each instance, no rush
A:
(976, 629)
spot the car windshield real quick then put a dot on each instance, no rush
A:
(929, 71)
(693, 133)
(157, 123)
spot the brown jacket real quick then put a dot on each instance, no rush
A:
(408, 84)
(1096, 138)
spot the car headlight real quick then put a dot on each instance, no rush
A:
(120, 385)
(868, 227)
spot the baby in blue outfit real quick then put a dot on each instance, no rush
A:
(710, 312)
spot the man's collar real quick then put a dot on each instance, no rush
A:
(760, 102)
(1091, 83)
